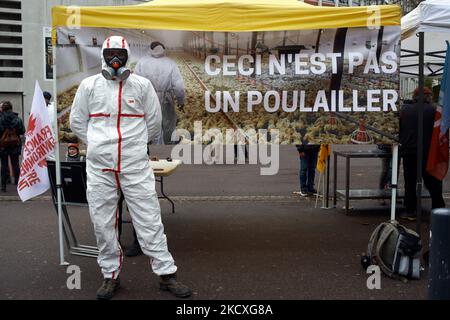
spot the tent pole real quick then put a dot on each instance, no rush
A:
(58, 165)
(327, 194)
(420, 134)
(394, 180)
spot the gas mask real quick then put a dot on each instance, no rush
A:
(116, 60)
(158, 51)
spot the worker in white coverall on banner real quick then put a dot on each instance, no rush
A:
(116, 114)
(166, 78)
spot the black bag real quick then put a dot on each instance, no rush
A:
(395, 249)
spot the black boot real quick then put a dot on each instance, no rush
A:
(3, 187)
(134, 250)
(108, 289)
(169, 283)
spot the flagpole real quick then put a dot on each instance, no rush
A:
(394, 180)
(323, 184)
(58, 164)
(318, 191)
(419, 135)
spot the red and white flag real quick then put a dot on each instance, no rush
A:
(437, 164)
(39, 143)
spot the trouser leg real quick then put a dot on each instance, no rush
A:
(135, 239)
(143, 205)
(384, 176)
(15, 166)
(120, 208)
(410, 176)
(312, 163)
(303, 173)
(434, 187)
(103, 197)
(4, 171)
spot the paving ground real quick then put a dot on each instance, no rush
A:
(235, 235)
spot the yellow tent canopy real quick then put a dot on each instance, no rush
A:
(224, 15)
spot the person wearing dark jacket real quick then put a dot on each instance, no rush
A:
(308, 161)
(10, 120)
(408, 152)
(8, 178)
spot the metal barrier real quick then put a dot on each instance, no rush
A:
(73, 180)
(439, 279)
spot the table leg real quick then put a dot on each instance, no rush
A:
(328, 184)
(165, 196)
(347, 184)
(335, 181)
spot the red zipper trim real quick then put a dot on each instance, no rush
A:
(132, 115)
(120, 115)
(118, 127)
(97, 115)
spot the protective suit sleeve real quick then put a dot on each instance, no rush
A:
(178, 85)
(79, 114)
(152, 112)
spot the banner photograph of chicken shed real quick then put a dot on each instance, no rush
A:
(285, 71)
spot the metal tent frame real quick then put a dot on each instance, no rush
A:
(421, 76)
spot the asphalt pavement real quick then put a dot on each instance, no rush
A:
(235, 235)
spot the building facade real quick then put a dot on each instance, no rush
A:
(25, 50)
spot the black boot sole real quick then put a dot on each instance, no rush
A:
(108, 297)
(164, 287)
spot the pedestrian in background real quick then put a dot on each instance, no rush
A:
(8, 177)
(11, 130)
(51, 116)
(73, 153)
(308, 154)
(166, 78)
(408, 152)
(386, 168)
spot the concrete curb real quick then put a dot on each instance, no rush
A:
(16, 198)
(196, 198)
(209, 198)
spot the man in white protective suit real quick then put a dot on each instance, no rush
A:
(116, 114)
(166, 78)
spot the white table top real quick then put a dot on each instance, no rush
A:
(164, 168)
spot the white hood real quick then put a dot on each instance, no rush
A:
(158, 51)
(115, 42)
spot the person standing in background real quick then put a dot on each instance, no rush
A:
(408, 152)
(386, 168)
(308, 161)
(8, 177)
(166, 78)
(51, 116)
(11, 130)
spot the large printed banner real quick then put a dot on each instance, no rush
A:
(335, 86)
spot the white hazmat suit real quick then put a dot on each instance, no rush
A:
(116, 119)
(166, 78)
